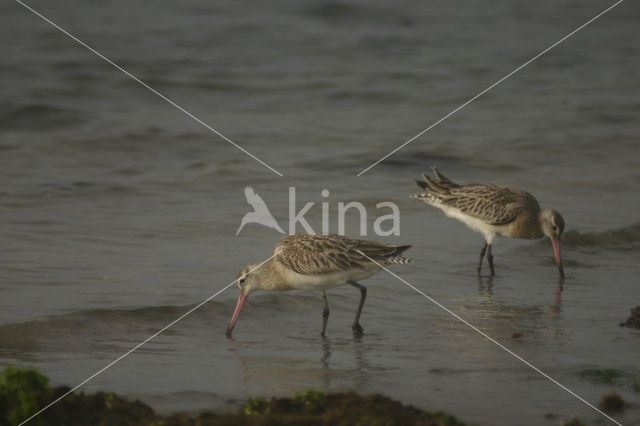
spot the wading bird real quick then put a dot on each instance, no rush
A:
(493, 210)
(318, 262)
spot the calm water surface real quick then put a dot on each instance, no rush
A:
(118, 213)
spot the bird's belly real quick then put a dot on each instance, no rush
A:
(489, 231)
(325, 281)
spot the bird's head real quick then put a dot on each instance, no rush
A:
(552, 225)
(248, 281)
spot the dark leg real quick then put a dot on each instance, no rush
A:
(490, 259)
(325, 313)
(356, 327)
(482, 252)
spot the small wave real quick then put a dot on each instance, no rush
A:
(343, 12)
(336, 10)
(39, 116)
(205, 85)
(377, 96)
(99, 326)
(75, 189)
(627, 238)
(420, 161)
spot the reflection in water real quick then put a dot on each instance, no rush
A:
(358, 377)
(242, 364)
(362, 365)
(522, 318)
(555, 315)
(556, 309)
(328, 363)
(326, 369)
(485, 285)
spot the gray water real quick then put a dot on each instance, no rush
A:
(118, 212)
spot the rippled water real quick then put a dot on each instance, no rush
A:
(119, 212)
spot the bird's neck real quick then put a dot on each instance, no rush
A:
(528, 225)
(271, 276)
(537, 232)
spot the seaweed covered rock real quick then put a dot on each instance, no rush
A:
(612, 403)
(24, 392)
(634, 320)
(316, 408)
(101, 409)
(346, 409)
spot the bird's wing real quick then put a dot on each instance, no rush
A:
(255, 200)
(322, 254)
(495, 204)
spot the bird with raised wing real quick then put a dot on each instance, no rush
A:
(493, 210)
(318, 262)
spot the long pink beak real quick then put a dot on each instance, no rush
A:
(556, 250)
(241, 299)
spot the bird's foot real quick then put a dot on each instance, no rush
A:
(358, 331)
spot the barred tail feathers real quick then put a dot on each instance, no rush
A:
(397, 260)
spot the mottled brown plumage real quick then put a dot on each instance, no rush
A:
(322, 254)
(493, 210)
(318, 262)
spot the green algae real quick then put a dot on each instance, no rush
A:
(254, 406)
(22, 393)
(606, 376)
(309, 395)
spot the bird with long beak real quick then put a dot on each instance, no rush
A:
(317, 262)
(493, 210)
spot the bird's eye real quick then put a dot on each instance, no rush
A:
(555, 228)
(242, 280)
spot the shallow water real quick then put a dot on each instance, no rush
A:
(119, 213)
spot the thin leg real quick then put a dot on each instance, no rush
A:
(356, 327)
(490, 259)
(325, 313)
(482, 252)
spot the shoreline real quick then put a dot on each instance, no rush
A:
(23, 392)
